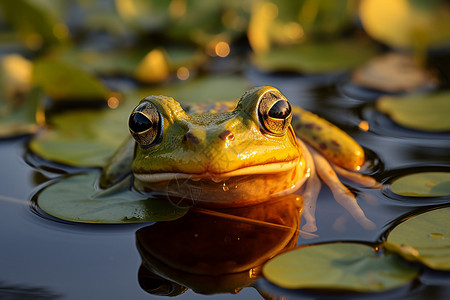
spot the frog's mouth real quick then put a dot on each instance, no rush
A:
(271, 168)
(241, 187)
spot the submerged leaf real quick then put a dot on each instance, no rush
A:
(316, 58)
(426, 184)
(424, 238)
(339, 266)
(77, 198)
(427, 112)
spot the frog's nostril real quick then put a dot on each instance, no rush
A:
(226, 135)
(189, 137)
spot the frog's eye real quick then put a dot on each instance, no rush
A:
(274, 113)
(145, 124)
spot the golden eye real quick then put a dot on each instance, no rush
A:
(275, 113)
(145, 124)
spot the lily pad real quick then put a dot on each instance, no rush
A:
(424, 239)
(339, 266)
(125, 62)
(21, 106)
(426, 184)
(61, 80)
(316, 58)
(82, 138)
(410, 24)
(77, 198)
(206, 89)
(394, 72)
(426, 112)
(25, 119)
(34, 22)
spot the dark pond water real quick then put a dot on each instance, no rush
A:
(46, 259)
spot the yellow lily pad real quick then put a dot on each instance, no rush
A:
(408, 23)
(316, 58)
(424, 239)
(78, 198)
(426, 184)
(339, 266)
(426, 112)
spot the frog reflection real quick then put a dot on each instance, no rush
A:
(216, 251)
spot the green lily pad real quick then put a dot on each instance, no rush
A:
(82, 138)
(316, 58)
(21, 105)
(339, 266)
(427, 112)
(206, 89)
(25, 119)
(34, 22)
(426, 184)
(77, 198)
(124, 62)
(424, 238)
(61, 80)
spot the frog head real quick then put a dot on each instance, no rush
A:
(234, 158)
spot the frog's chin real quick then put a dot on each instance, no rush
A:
(241, 187)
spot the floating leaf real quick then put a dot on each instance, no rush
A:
(21, 106)
(153, 68)
(25, 119)
(339, 266)
(143, 15)
(206, 89)
(424, 238)
(316, 58)
(34, 22)
(426, 184)
(65, 81)
(408, 24)
(82, 138)
(428, 112)
(125, 62)
(77, 198)
(394, 72)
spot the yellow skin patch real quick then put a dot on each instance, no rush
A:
(237, 154)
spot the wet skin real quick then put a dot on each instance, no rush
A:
(231, 155)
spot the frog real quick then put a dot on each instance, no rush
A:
(235, 154)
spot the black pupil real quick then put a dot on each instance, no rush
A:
(139, 123)
(280, 110)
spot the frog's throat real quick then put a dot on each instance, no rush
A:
(271, 168)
